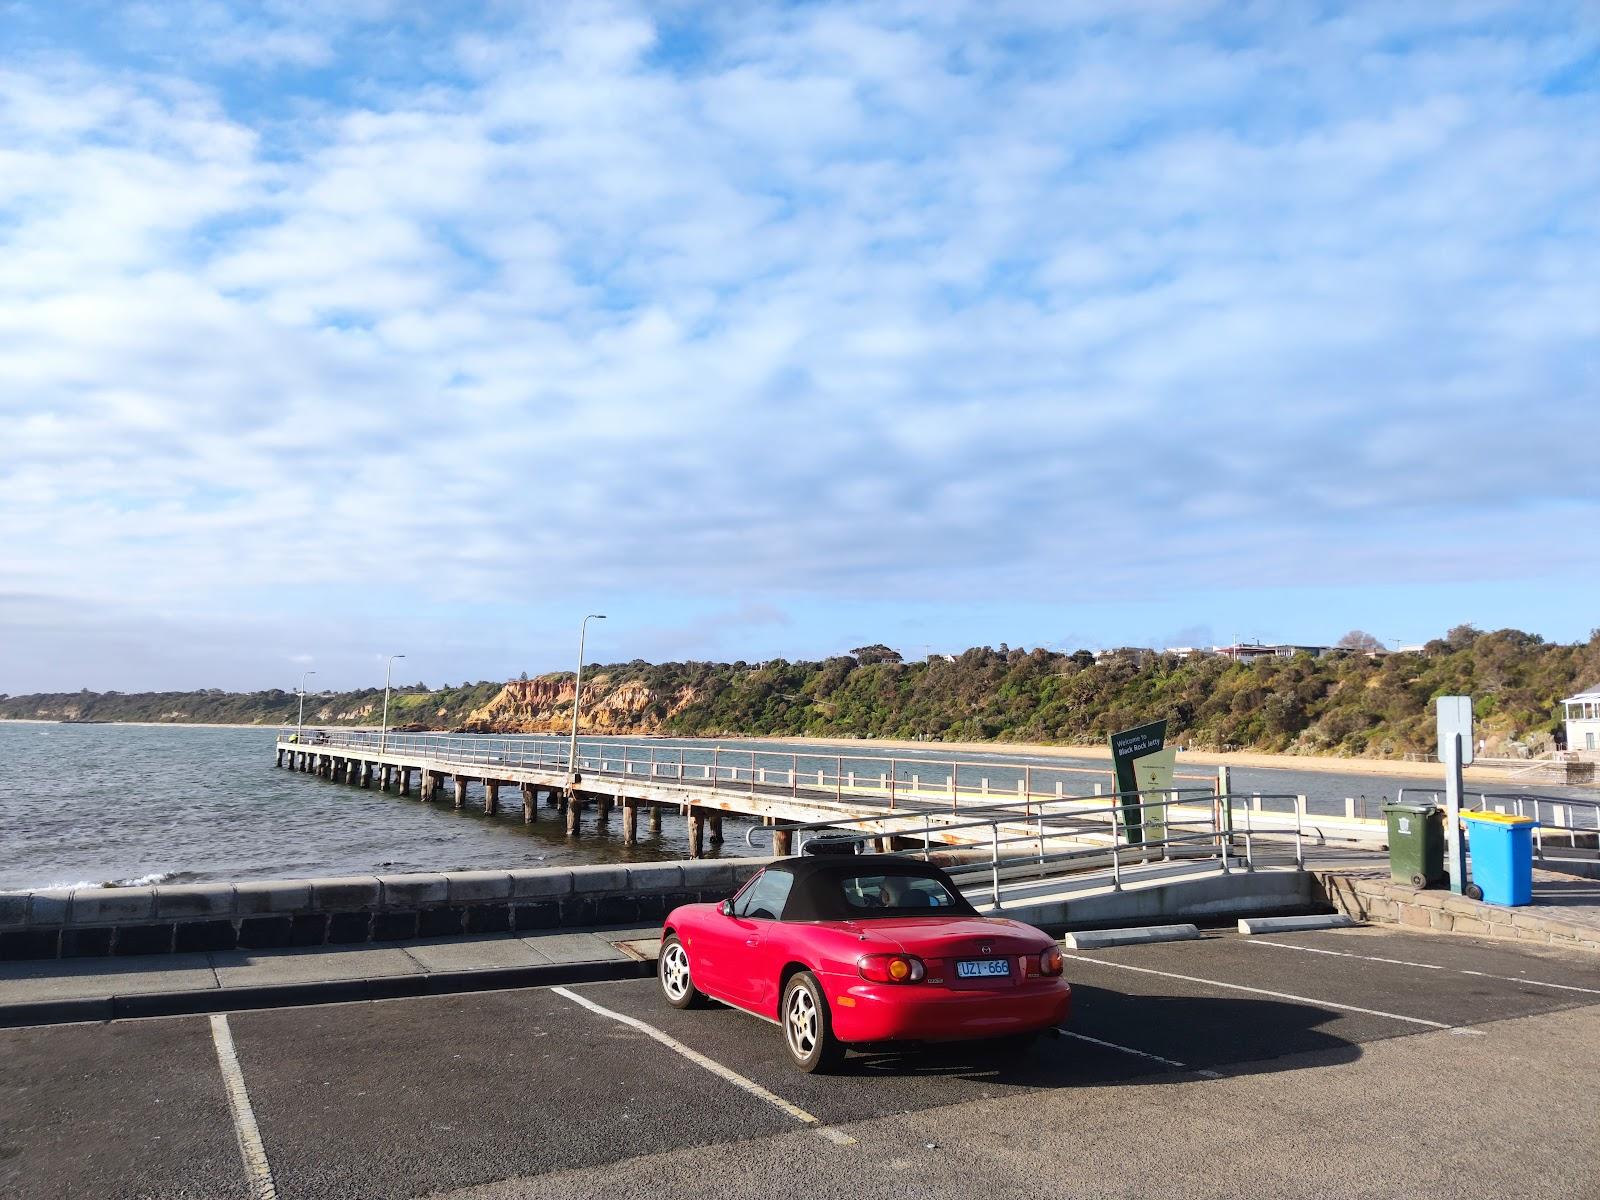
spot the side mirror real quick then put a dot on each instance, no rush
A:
(726, 908)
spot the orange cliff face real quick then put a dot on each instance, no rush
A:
(545, 706)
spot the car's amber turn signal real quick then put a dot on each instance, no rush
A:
(891, 968)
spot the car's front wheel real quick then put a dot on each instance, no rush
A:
(677, 984)
(807, 1028)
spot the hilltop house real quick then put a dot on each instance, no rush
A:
(1583, 720)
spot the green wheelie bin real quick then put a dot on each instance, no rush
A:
(1416, 843)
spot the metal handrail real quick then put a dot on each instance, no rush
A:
(1217, 833)
(1561, 809)
(900, 782)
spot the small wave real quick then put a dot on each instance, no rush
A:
(149, 880)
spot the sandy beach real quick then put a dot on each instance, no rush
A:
(1208, 758)
(1197, 758)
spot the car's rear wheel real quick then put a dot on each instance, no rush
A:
(807, 1027)
(677, 983)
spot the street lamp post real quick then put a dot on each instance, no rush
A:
(300, 723)
(383, 734)
(577, 698)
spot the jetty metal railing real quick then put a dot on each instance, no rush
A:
(1194, 825)
(1573, 817)
(1559, 814)
(891, 781)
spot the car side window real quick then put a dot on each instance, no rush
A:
(765, 897)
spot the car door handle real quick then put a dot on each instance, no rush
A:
(752, 941)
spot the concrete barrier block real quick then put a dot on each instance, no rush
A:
(488, 918)
(21, 944)
(548, 883)
(86, 943)
(346, 893)
(103, 906)
(1256, 925)
(599, 879)
(471, 887)
(1094, 939)
(144, 939)
(413, 891)
(702, 874)
(655, 877)
(261, 897)
(196, 936)
(13, 909)
(194, 900)
(48, 906)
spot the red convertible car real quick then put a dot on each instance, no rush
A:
(862, 949)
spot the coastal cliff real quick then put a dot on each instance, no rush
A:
(610, 705)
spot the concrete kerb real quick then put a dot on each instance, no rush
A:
(329, 991)
(475, 887)
(103, 906)
(413, 891)
(267, 896)
(193, 900)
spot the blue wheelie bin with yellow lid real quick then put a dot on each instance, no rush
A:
(1501, 846)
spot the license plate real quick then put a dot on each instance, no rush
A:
(982, 968)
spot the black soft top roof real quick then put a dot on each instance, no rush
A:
(818, 895)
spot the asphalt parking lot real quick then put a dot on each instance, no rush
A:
(1346, 1063)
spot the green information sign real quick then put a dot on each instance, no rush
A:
(1127, 748)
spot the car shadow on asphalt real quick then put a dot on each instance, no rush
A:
(1225, 1035)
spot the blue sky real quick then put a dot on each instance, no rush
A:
(328, 331)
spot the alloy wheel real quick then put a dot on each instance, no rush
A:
(800, 1023)
(675, 972)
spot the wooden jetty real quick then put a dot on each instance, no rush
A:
(902, 802)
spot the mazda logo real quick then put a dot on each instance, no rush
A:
(983, 949)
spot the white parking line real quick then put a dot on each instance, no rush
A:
(1565, 987)
(1169, 1062)
(251, 1150)
(1240, 987)
(712, 1065)
(1401, 962)
(1398, 962)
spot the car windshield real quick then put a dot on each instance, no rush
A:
(891, 895)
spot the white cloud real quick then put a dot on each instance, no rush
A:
(851, 299)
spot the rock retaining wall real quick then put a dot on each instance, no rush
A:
(1373, 896)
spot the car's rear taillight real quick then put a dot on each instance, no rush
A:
(1050, 961)
(891, 968)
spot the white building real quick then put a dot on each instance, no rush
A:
(1583, 720)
